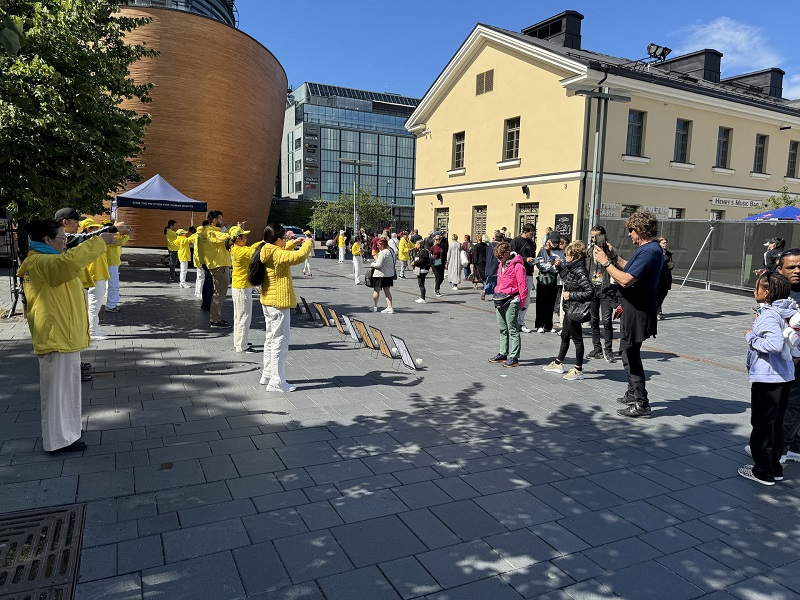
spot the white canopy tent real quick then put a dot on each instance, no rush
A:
(157, 194)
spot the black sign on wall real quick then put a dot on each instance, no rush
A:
(564, 225)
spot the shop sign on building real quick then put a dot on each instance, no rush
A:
(736, 202)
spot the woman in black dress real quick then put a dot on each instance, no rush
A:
(479, 261)
(665, 282)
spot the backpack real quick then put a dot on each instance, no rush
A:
(256, 271)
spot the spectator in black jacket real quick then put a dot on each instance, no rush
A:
(525, 248)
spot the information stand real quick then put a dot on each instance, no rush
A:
(351, 329)
(405, 355)
(308, 310)
(382, 345)
(336, 321)
(365, 337)
(321, 312)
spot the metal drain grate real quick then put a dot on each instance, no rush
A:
(40, 552)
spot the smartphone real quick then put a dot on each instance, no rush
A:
(600, 239)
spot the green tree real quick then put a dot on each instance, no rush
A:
(783, 198)
(65, 140)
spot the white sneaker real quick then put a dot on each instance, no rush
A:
(747, 472)
(264, 381)
(388, 311)
(455, 288)
(185, 285)
(419, 301)
(555, 331)
(524, 329)
(554, 367)
(281, 388)
(438, 295)
(358, 283)
(573, 375)
(540, 330)
(791, 457)
(373, 309)
(98, 338)
(749, 452)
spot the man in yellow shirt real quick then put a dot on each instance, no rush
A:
(342, 242)
(172, 249)
(100, 275)
(114, 257)
(218, 259)
(184, 254)
(357, 259)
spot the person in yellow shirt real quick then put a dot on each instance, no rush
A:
(403, 253)
(100, 276)
(184, 254)
(59, 326)
(170, 233)
(355, 249)
(114, 257)
(342, 241)
(218, 259)
(200, 266)
(277, 300)
(241, 288)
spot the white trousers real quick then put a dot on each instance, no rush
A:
(341, 253)
(113, 288)
(242, 315)
(184, 270)
(357, 261)
(307, 267)
(60, 389)
(276, 345)
(95, 301)
(198, 282)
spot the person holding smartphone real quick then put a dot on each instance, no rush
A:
(603, 302)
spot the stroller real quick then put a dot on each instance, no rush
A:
(330, 249)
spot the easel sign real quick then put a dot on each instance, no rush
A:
(336, 321)
(405, 355)
(308, 310)
(384, 347)
(362, 330)
(351, 328)
(321, 313)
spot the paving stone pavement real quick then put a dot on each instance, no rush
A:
(460, 481)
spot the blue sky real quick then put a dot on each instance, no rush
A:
(402, 46)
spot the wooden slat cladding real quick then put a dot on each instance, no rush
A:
(217, 111)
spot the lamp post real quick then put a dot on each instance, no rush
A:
(603, 98)
(356, 183)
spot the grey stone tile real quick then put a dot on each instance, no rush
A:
(191, 496)
(588, 493)
(109, 533)
(761, 587)
(417, 475)
(429, 529)
(769, 546)
(669, 540)
(420, 495)
(353, 487)
(304, 591)
(649, 580)
(319, 515)
(702, 531)
(211, 513)
(232, 446)
(280, 500)
(522, 548)
(538, 473)
(134, 458)
(294, 479)
(600, 527)
(467, 520)
(139, 554)
(305, 436)
(386, 463)
(537, 579)
(338, 471)
(684, 472)
(628, 485)
(93, 486)
(788, 576)
(177, 453)
(99, 562)
(463, 563)
(700, 569)
(257, 462)
(457, 488)
(621, 554)
(323, 492)
(377, 540)
(578, 566)
(591, 589)
(409, 578)
(311, 556)
(457, 453)
(495, 588)
(162, 477)
(499, 480)
(158, 524)
(125, 587)
(260, 568)
(424, 437)
(267, 440)
(217, 468)
(517, 509)
(89, 464)
(209, 538)
(304, 455)
(362, 584)
(369, 506)
(645, 515)
(135, 507)
(254, 485)
(212, 576)
(733, 558)
(706, 499)
(274, 524)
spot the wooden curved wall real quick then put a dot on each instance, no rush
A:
(217, 109)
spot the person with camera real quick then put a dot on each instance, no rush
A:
(638, 279)
(577, 293)
(548, 259)
(603, 302)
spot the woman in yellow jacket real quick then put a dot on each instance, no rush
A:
(355, 249)
(59, 326)
(403, 253)
(241, 288)
(277, 300)
(100, 276)
(171, 234)
(182, 242)
(114, 258)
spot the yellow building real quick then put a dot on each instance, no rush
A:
(503, 138)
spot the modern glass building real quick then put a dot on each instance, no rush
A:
(325, 123)
(219, 10)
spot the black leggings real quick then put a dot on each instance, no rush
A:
(438, 278)
(571, 330)
(545, 304)
(767, 408)
(421, 283)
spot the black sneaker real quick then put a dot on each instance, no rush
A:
(609, 356)
(86, 377)
(499, 358)
(635, 410)
(596, 353)
(218, 324)
(511, 362)
(626, 399)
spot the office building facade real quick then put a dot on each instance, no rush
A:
(325, 123)
(223, 11)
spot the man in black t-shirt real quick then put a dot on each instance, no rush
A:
(638, 279)
(525, 247)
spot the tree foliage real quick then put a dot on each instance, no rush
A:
(373, 213)
(783, 198)
(64, 138)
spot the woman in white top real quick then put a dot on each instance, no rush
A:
(454, 262)
(383, 276)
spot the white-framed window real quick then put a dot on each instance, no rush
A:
(760, 155)
(634, 145)
(511, 139)
(717, 215)
(683, 130)
(791, 166)
(724, 138)
(459, 141)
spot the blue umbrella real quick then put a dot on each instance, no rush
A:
(790, 213)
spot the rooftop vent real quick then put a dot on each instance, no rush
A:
(563, 29)
(703, 64)
(768, 81)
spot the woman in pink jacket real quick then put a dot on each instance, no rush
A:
(510, 296)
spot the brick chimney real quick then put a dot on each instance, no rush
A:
(703, 64)
(768, 81)
(563, 29)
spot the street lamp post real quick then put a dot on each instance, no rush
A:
(603, 97)
(356, 183)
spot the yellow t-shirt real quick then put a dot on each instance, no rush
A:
(182, 243)
(171, 235)
(240, 257)
(114, 251)
(356, 249)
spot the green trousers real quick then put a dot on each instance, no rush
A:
(509, 330)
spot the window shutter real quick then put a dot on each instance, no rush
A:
(479, 84)
(489, 81)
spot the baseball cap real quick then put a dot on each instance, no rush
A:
(307, 232)
(67, 213)
(87, 223)
(555, 238)
(772, 241)
(236, 231)
(180, 231)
